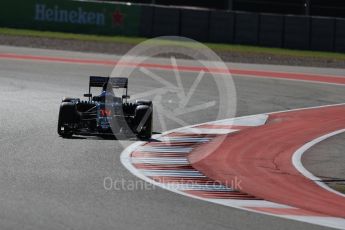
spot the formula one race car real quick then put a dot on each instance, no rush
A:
(105, 114)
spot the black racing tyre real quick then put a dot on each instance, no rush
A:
(67, 115)
(70, 99)
(143, 121)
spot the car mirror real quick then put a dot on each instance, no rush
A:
(126, 96)
(87, 95)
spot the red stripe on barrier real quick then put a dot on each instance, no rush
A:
(333, 79)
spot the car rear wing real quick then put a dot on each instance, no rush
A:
(116, 82)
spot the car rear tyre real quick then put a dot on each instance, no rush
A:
(143, 121)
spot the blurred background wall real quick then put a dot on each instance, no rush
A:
(294, 24)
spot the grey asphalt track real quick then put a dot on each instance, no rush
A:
(47, 182)
(323, 158)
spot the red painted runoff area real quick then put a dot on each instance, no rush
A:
(261, 159)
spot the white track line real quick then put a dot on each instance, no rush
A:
(297, 161)
(183, 139)
(172, 173)
(207, 131)
(203, 187)
(243, 121)
(161, 160)
(164, 149)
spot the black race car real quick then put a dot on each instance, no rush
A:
(105, 114)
